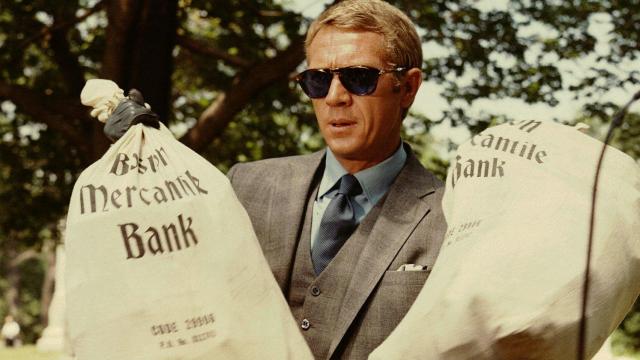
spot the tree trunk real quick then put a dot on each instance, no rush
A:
(139, 45)
(246, 85)
(13, 284)
(138, 53)
(152, 56)
(48, 283)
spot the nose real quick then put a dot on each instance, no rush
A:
(337, 95)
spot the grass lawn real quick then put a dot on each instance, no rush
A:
(26, 353)
(632, 356)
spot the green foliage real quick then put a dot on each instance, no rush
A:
(516, 51)
(624, 138)
(628, 336)
(273, 135)
(34, 191)
(32, 274)
(415, 132)
(628, 136)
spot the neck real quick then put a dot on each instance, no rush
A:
(354, 165)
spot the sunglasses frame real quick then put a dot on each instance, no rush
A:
(299, 78)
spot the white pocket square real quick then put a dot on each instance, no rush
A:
(412, 267)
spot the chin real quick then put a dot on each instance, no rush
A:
(343, 147)
(357, 155)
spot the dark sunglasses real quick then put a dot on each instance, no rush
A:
(358, 80)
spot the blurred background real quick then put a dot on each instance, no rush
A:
(219, 73)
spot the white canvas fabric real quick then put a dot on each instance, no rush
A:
(163, 263)
(103, 96)
(508, 281)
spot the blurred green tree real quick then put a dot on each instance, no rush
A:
(627, 338)
(35, 185)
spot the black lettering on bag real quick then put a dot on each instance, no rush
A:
(154, 243)
(127, 235)
(196, 183)
(471, 168)
(97, 198)
(186, 232)
(114, 198)
(136, 247)
(120, 166)
(173, 190)
(92, 194)
(139, 164)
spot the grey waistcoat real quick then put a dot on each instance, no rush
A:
(316, 302)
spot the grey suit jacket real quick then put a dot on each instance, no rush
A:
(409, 230)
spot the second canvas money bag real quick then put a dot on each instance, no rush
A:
(508, 281)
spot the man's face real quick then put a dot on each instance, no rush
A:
(360, 130)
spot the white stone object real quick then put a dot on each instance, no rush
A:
(53, 336)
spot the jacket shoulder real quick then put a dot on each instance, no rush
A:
(263, 168)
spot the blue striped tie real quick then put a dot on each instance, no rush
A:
(338, 223)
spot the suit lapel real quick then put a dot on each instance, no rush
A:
(286, 209)
(405, 205)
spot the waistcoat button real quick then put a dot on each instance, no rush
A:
(315, 291)
(305, 324)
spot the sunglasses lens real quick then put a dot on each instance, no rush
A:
(315, 83)
(359, 80)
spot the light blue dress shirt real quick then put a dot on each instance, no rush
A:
(375, 182)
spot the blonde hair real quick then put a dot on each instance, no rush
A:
(402, 43)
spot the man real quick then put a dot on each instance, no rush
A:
(351, 232)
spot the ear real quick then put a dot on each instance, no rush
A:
(410, 83)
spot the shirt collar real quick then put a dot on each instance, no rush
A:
(333, 171)
(375, 181)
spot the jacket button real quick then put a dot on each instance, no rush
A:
(315, 291)
(305, 324)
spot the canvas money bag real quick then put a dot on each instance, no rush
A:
(162, 260)
(508, 281)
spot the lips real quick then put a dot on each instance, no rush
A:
(341, 123)
(340, 128)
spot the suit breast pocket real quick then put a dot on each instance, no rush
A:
(391, 300)
(395, 294)
(404, 278)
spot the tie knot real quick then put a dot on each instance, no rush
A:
(349, 185)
